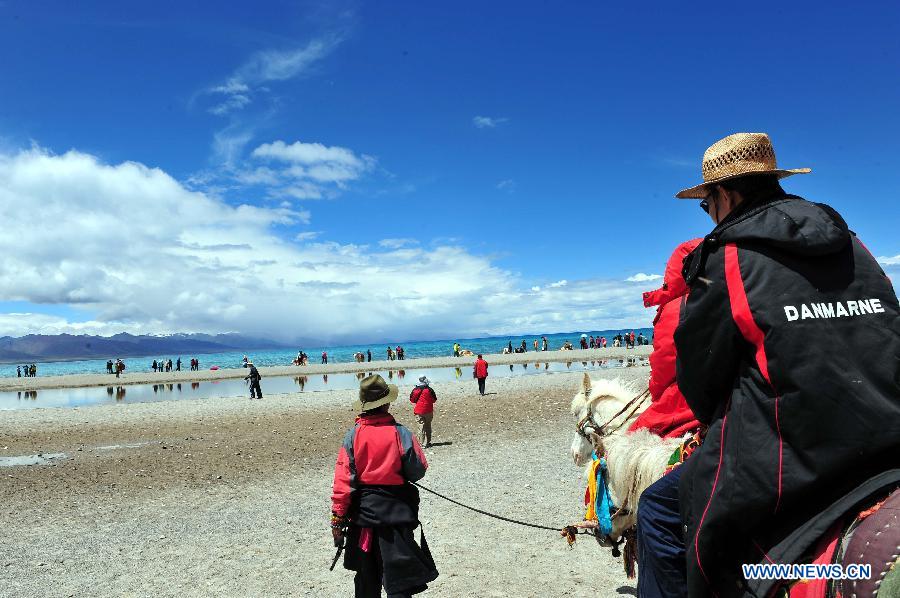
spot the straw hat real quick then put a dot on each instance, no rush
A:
(737, 155)
(375, 392)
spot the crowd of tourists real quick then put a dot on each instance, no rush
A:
(398, 353)
(28, 371)
(115, 367)
(166, 365)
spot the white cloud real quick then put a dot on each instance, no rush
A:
(267, 66)
(397, 243)
(488, 122)
(308, 170)
(536, 289)
(641, 277)
(889, 261)
(228, 144)
(302, 190)
(233, 102)
(308, 235)
(308, 153)
(508, 185)
(137, 251)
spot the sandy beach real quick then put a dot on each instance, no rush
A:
(149, 377)
(230, 497)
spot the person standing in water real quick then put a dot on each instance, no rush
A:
(254, 379)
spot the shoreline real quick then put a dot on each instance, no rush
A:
(128, 378)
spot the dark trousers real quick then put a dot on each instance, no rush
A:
(661, 561)
(481, 385)
(407, 575)
(367, 582)
(255, 389)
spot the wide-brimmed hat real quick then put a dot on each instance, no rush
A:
(375, 392)
(735, 156)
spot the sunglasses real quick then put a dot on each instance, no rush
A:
(704, 203)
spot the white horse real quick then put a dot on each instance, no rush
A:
(634, 460)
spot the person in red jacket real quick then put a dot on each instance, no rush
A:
(480, 372)
(668, 415)
(374, 508)
(423, 397)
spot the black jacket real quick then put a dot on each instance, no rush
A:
(253, 376)
(789, 348)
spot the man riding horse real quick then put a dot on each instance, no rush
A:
(788, 349)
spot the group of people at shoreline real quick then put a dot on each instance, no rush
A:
(29, 370)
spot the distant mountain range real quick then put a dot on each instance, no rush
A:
(66, 347)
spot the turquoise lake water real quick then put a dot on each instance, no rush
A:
(343, 354)
(303, 386)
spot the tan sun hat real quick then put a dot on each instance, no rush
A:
(734, 156)
(375, 392)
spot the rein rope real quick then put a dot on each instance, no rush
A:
(500, 517)
(634, 404)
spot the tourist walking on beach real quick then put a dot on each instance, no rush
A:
(545, 346)
(254, 378)
(480, 372)
(374, 508)
(423, 397)
(325, 357)
(368, 355)
(778, 357)
(178, 365)
(455, 349)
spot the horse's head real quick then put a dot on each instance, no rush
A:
(593, 406)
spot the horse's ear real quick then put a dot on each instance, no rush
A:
(587, 384)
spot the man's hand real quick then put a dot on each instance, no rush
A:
(338, 535)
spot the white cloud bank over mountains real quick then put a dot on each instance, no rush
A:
(139, 252)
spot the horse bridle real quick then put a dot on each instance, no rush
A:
(585, 422)
(589, 421)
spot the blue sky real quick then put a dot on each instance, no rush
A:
(354, 170)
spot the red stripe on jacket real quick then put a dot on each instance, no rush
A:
(743, 318)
